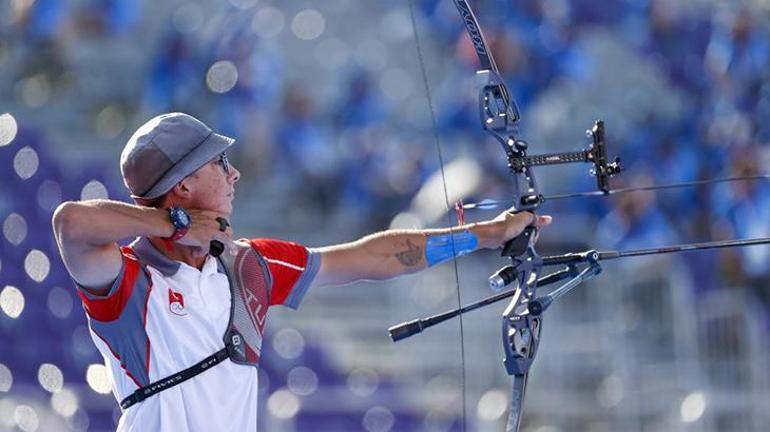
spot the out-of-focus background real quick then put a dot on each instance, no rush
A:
(335, 141)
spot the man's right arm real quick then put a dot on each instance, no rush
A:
(87, 233)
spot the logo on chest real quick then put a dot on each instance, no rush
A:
(176, 303)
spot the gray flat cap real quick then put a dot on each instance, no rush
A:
(165, 150)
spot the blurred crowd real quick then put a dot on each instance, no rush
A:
(362, 145)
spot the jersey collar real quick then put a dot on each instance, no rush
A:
(149, 255)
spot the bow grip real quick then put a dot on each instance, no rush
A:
(519, 244)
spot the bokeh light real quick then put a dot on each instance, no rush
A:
(60, 302)
(11, 301)
(492, 405)
(283, 404)
(37, 265)
(363, 382)
(26, 162)
(446, 391)
(693, 406)
(34, 91)
(268, 23)
(6, 379)
(302, 381)
(110, 122)
(98, 379)
(65, 402)
(50, 377)
(610, 392)
(49, 195)
(288, 343)
(378, 419)
(15, 228)
(222, 76)
(308, 24)
(8, 129)
(188, 18)
(94, 189)
(396, 26)
(26, 418)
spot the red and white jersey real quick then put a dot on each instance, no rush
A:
(162, 316)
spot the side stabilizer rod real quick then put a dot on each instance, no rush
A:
(410, 328)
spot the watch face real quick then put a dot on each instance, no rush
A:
(180, 218)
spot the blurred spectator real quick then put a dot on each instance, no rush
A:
(307, 157)
(107, 17)
(636, 222)
(173, 80)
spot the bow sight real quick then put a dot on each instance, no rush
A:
(499, 117)
(596, 154)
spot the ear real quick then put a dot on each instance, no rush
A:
(184, 188)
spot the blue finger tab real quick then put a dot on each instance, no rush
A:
(440, 248)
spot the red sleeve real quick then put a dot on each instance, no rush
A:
(287, 262)
(109, 306)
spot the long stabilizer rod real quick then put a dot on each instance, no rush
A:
(573, 258)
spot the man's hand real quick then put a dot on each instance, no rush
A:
(204, 228)
(515, 223)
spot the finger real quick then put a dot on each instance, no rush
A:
(224, 224)
(543, 221)
(526, 216)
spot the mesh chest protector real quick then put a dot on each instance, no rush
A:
(249, 282)
(250, 297)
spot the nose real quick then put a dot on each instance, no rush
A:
(234, 176)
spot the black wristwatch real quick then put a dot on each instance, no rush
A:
(181, 221)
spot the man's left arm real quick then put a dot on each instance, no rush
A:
(393, 253)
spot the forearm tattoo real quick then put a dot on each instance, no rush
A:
(411, 256)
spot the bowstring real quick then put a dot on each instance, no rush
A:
(437, 141)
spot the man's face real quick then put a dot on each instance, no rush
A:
(213, 185)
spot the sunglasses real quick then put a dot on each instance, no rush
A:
(225, 162)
